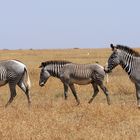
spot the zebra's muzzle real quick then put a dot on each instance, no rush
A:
(107, 70)
(42, 84)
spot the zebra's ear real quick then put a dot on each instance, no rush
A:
(42, 65)
(112, 47)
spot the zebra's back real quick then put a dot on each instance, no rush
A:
(12, 64)
(82, 73)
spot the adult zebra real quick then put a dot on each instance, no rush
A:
(70, 73)
(129, 59)
(13, 72)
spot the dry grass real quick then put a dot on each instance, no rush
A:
(52, 118)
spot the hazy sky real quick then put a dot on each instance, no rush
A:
(26, 24)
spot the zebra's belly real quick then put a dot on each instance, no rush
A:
(2, 83)
(81, 81)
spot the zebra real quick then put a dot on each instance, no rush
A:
(70, 73)
(129, 60)
(13, 72)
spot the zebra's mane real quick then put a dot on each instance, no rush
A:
(56, 62)
(129, 50)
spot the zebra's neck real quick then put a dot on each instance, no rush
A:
(54, 69)
(127, 62)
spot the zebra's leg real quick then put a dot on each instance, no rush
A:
(13, 93)
(65, 91)
(138, 94)
(25, 90)
(105, 92)
(96, 90)
(74, 93)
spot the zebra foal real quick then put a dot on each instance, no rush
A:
(70, 73)
(13, 72)
(129, 60)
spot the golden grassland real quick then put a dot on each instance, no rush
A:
(50, 117)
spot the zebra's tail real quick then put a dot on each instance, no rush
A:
(107, 79)
(28, 78)
(106, 73)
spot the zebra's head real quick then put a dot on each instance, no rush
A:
(44, 74)
(113, 60)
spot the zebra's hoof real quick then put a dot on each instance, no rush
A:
(78, 103)
(90, 100)
(29, 104)
(109, 103)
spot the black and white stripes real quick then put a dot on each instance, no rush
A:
(3, 74)
(54, 67)
(127, 62)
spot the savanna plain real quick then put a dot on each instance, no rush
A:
(50, 117)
